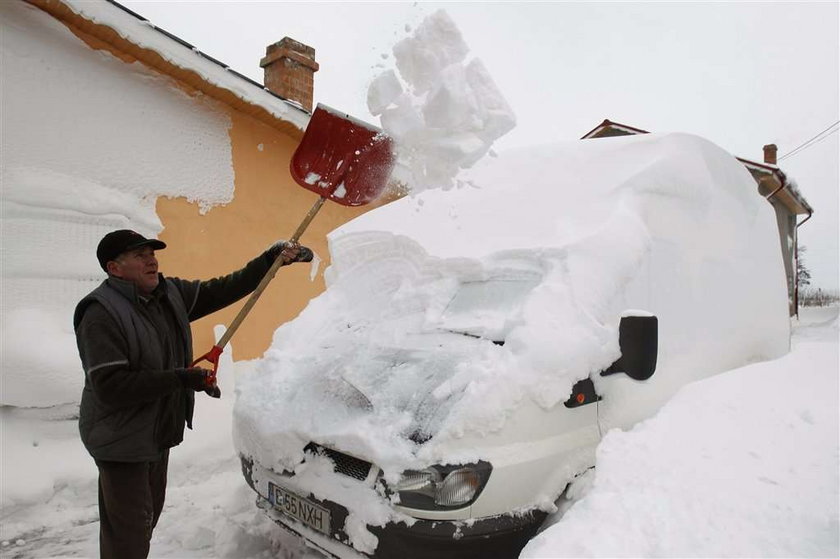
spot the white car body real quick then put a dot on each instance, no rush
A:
(690, 240)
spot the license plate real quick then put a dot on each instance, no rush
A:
(301, 509)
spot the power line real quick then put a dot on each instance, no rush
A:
(812, 144)
(808, 143)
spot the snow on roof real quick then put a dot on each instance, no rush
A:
(120, 27)
(798, 204)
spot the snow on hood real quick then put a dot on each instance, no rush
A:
(400, 347)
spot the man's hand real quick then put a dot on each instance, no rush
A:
(196, 379)
(290, 252)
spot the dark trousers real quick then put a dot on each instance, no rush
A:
(131, 496)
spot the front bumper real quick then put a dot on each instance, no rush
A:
(486, 538)
(500, 537)
(495, 536)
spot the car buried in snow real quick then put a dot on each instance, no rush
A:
(473, 345)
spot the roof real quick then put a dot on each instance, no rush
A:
(108, 25)
(610, 128)
(789, 195)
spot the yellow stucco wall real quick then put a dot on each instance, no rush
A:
(267, 205)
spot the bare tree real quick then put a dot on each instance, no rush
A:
(811, 297)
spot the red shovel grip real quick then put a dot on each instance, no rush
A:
(211, 356)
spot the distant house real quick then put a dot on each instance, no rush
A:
(773, 185)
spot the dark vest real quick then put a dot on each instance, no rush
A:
(141, 432)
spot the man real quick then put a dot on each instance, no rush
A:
(135, 344)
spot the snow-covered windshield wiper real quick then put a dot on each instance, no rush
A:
(476, 336)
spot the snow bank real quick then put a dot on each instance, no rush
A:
(566, 237)
(40, 359)
(49, 498)
(744, 464)
(445, 113)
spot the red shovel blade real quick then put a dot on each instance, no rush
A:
(343, 159)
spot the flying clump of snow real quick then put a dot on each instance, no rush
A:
(443, 111)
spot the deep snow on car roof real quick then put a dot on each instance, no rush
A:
(548, 196)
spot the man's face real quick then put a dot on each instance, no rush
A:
(138, 266)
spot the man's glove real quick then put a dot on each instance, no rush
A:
(195, 378)
(290, 252)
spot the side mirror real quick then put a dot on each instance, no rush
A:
(638, 338)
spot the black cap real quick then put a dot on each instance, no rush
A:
(117, 242)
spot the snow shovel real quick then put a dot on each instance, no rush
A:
(339, 158)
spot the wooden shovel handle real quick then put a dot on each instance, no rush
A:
(269, 275)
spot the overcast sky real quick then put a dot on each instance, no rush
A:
(740, 74)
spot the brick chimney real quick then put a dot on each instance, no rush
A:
(770, 154)
(290, 71)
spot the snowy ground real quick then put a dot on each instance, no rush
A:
(742, 464)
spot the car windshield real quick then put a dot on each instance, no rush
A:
(485, 308)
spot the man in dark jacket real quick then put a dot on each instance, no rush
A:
(135, 344)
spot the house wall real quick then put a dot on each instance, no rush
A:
(786, 223)
(94, 141)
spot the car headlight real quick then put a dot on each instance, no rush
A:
(443, 487)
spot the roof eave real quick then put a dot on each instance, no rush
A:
(792, 198)
(125, 31)
(616, 125)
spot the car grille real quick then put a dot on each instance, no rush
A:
(342, 463)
